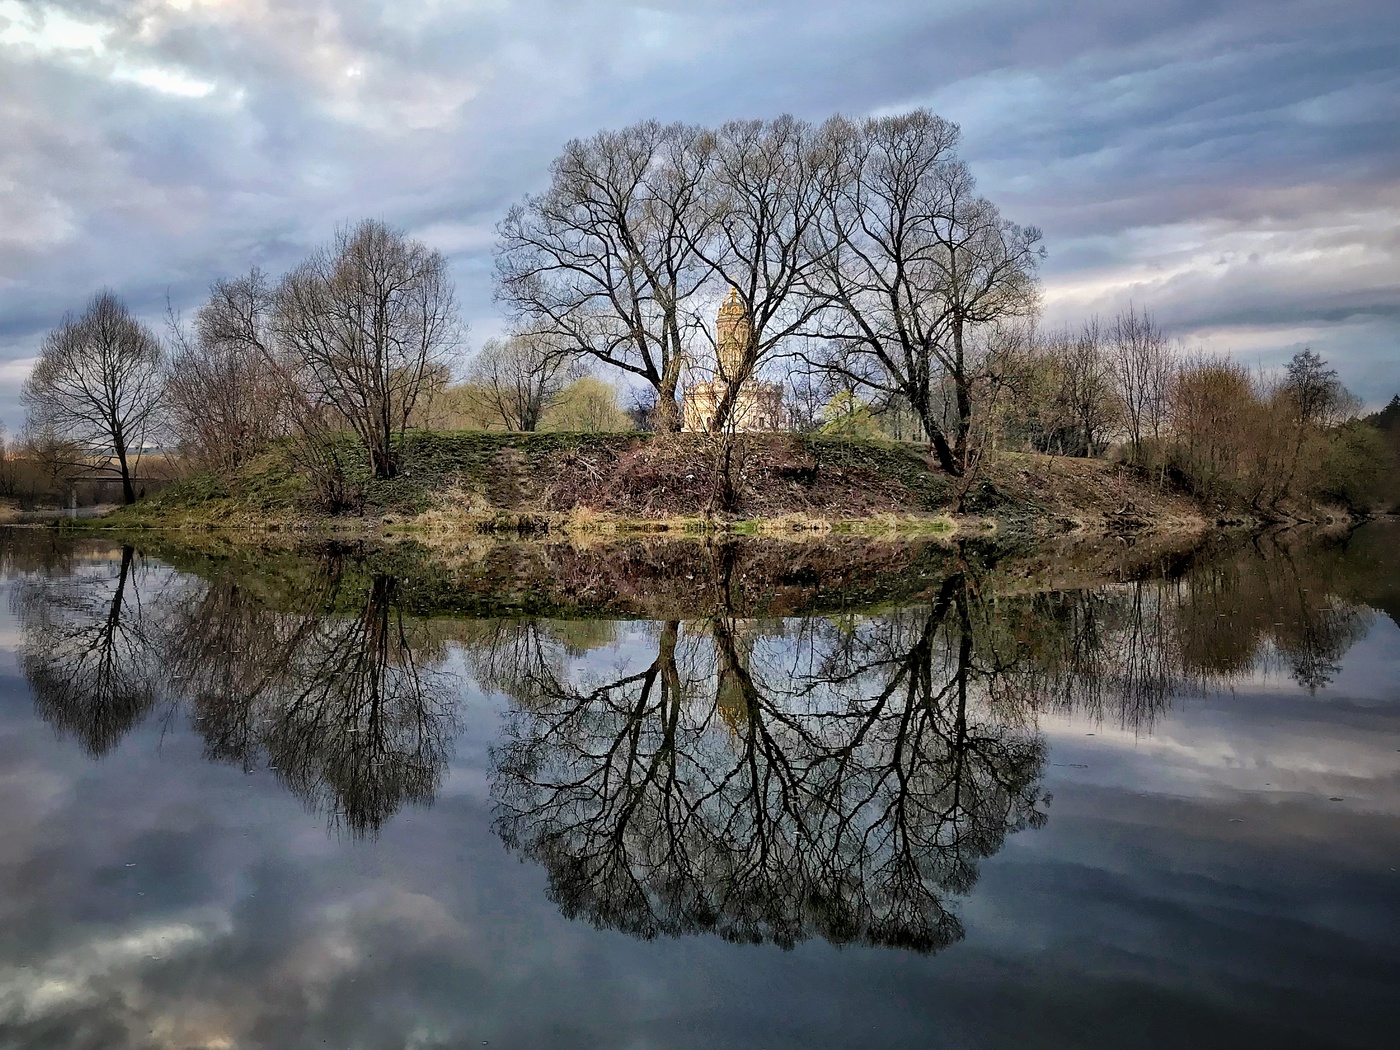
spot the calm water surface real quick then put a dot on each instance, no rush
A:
(290, 808)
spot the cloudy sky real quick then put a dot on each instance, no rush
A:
(1234, 166)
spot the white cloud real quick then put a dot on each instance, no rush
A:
(48, 32)
(72, 977)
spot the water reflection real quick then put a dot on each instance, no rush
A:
(340, 694)
(348, 707)
(88, 650)
(836, 776)
(838, 781)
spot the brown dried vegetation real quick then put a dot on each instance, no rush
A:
(770, 476)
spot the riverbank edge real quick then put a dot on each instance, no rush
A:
(466, 483)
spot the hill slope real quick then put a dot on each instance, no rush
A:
(541, 482)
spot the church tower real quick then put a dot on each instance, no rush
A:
(733, 331)
(757, 405)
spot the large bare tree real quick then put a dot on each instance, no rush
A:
(225, 394)
(363, 327)
(919, 274)
(97, 383)
(765, 184)
(601, 262)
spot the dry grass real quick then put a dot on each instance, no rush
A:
(575, 485)
(773, 476)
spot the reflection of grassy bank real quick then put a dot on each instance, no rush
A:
(575, 484)
(663, 576)
(655, 576)
(650, 576)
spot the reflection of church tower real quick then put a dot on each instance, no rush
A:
(733, 687)
(758, 405)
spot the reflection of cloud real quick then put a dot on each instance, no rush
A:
(1306, 749)
(46, 987)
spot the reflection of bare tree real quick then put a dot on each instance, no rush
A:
(720, 788)
(340, 695)
(86, 650)
(344, 706)
(840, 777)
(1272, 607)
(1124, 652)
(768, 779)
(1107, 653)
(1319, 627)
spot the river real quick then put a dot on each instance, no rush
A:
(316, 799)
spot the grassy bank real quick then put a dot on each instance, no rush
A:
(627, 483)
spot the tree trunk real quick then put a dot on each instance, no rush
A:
(383, 462)
(385, 467)
(666, 418)
(724, 407)
(128, 493)
(964, 400)
(946, 458)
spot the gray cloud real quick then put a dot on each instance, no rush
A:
(1233, 166)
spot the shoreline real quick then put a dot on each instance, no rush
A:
(453, 484)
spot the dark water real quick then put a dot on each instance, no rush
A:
(284, 806)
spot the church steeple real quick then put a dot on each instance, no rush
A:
(732, 330)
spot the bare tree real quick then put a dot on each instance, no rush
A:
(1141, 369)
(601, 262)
(518, 378)
(362, 327)
(1083, 395)
(225, 395)
(765, 183)
(914, 265)
(989, 271)
(97, 383)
